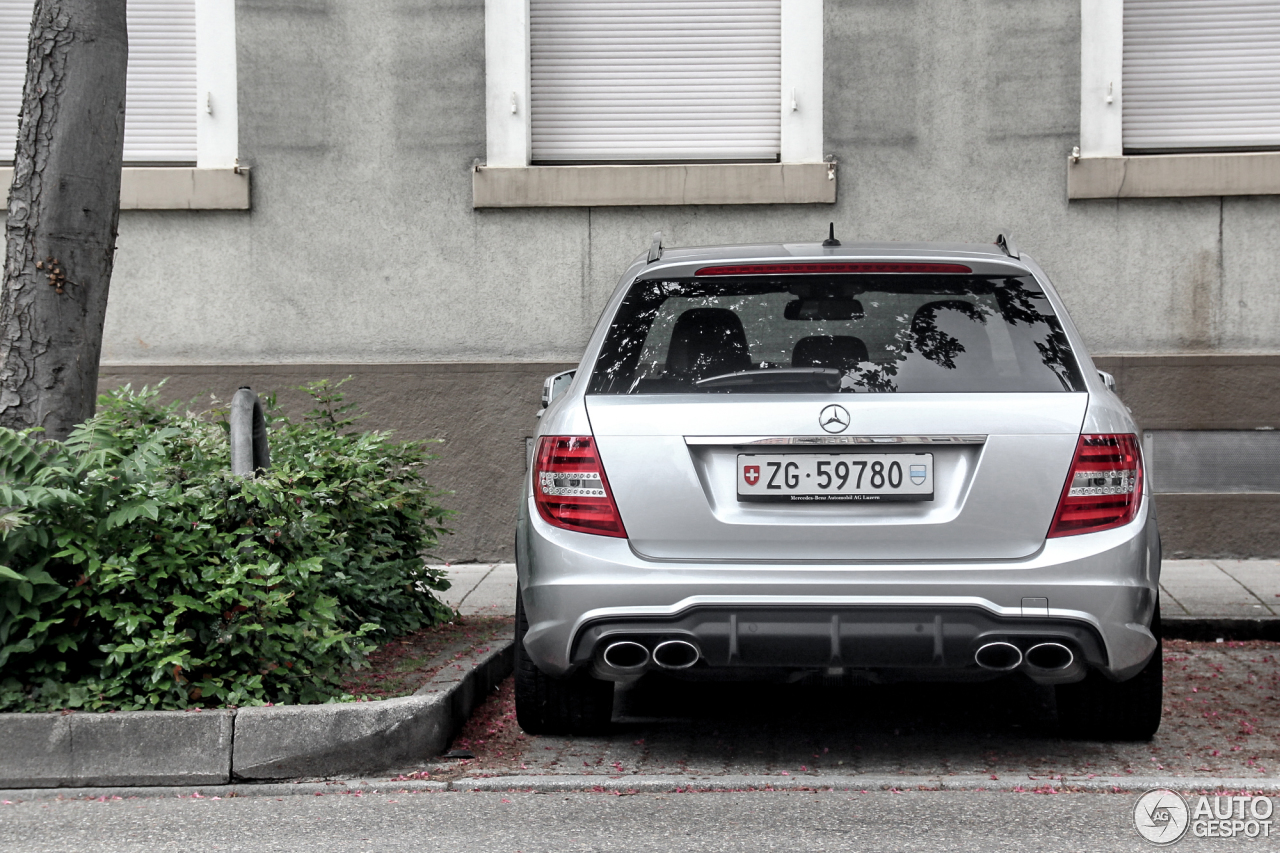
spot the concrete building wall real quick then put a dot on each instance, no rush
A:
(951, 120)
(360, 119)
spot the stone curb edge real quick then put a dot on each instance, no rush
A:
(187, 748)
(1208, 629)
(664, 784)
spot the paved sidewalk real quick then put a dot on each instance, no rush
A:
(1207, 589)
(1221, 720)
(1191, 589)
(487, 589)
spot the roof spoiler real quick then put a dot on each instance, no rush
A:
(1006, 244)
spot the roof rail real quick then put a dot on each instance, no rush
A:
(1006, 244)
(655, 247)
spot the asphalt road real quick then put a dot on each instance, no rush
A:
(563, 823)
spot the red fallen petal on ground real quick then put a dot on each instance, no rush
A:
(1190, 727)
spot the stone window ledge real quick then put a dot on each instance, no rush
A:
(658, 184)
(1174, 175)
(175, 188)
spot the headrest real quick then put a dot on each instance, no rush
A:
(708, 342)
(942, 330)
(931, 312)
(843, 352)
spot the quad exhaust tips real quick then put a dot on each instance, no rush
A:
(632, 657)
(626, 656)
(999, 656)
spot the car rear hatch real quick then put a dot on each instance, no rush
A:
(999, 462)
(975, 419)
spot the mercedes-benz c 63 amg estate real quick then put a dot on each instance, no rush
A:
(893, 461)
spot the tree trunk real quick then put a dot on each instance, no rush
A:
(63, 209)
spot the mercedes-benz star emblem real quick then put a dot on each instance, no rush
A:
(834, 418)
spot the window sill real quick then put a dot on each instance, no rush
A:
(604, 186)
(1174, 175)
(169, 188)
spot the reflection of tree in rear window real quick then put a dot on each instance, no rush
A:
(851, 333)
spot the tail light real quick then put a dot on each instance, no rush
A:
(570, 488)
(1104, 487)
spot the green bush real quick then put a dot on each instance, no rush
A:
(136, 572)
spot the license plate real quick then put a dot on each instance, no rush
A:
(824, 477)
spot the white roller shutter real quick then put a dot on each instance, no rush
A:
(626, 80)
(15, 25)
(1201, 74)
(160, 102)
(160, 111)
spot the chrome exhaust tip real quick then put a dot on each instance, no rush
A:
(1050, 656)
(626, 655)
(676, 654)
(999, 656)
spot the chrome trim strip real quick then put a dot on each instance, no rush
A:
(809, 440)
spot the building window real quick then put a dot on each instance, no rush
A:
(620, 102)
(181, 89)
(1177, 99)
(1201, 76)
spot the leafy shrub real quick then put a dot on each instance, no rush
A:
(136, 572)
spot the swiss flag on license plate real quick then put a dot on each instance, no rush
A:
(751, 473)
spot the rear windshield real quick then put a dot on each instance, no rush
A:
(822, 334)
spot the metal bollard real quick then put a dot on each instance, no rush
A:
(249, 452)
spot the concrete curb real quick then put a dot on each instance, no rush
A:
(131, 748)
(1204, 629)
(667, 784)
(648, 784)
(165, 748)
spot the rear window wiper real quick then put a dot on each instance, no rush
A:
(827, 377)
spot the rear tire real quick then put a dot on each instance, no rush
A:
(574, 705)
(1099, 709)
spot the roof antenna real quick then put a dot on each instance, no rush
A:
(655, 247)
(831, 237)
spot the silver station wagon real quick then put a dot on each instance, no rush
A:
(875, 461)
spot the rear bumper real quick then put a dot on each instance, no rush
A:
(1094, 593)
(907, 641)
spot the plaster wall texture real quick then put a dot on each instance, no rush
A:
(951, 120)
